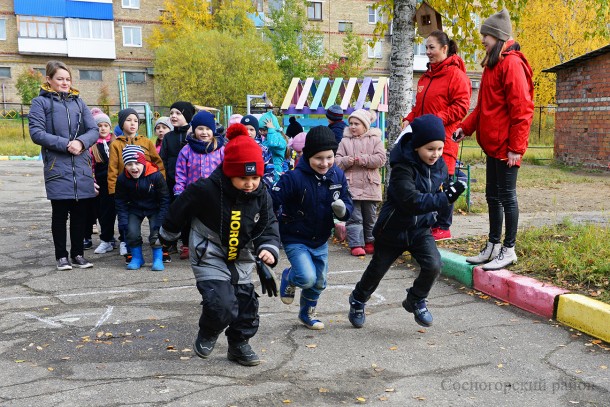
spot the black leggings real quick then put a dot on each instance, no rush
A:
(78, 211)
(501, 195)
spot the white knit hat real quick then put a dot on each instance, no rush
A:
(367, 117)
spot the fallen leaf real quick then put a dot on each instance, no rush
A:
(311, 345)
(500, 366)
(286, 401)
(170, 347)
(421, 331)
(383, 398)
(19, 361)
(394, 348)
(185, 357)
(596, 342)
(39, 347)
(421, 398)
(323, 390)
(187, 350)
(50, 369)
(578, 371)
(66, 358)
(603, 367)
(389, 390)
(360, 399)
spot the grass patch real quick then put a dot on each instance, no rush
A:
(15, 139)
(567, 255)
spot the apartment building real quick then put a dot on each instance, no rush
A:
(98, 39)
(102, 39)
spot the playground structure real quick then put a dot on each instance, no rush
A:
(310, 98)
(143, 108)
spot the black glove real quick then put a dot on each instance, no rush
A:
(453, 190)
(268, 283)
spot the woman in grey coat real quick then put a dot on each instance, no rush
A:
(62, 124)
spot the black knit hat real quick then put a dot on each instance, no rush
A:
(427, 128)
(294, 127)
(249, 120)
(186, 108)
(319, 138)
(123, 114)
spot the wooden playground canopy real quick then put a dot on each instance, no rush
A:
(312, 96)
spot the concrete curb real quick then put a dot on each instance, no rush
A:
(585, 314)
(455, 266)
(521, 291)
(577, 311)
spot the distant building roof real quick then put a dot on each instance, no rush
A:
(89, 9)
(578, 60)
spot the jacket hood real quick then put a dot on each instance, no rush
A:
(268, 116)
(453, 60)
(517, 54)
(373, 132)
(45, 90)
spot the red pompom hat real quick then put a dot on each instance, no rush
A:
(243, 156)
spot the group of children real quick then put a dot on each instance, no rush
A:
(228, 214)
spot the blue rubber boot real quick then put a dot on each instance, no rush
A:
(137, 260)
(157, 263)
(286, 289)
(307, 314)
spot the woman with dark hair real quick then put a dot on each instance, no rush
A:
(502, 120)
(62, 124)
(443, 90)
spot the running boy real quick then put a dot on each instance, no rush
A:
(414, 194)
(141, 192)
(306, 200)
(232, 221)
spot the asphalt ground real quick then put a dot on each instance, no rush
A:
(112, 337)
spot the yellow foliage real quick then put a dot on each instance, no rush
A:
(551, 32)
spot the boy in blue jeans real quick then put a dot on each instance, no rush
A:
(141, 192)
(306, 200)
(414, 195)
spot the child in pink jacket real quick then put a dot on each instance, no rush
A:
(360, 155)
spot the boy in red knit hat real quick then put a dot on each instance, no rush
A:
(232, 228)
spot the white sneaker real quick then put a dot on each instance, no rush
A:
(123, 249)
(104, 247)
(505, 257)
(489, 252)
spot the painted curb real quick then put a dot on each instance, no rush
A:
(521, 291)
(585, 314)
(455, 266)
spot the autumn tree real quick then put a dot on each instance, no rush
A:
(297, 47)
(574, 30)
(214, 69)
(28, 84)
(351, 62)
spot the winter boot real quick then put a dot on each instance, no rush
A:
(505, 257)
(204, 346)
(286, 289)
(243, 354)
(157, 263)
(137, 260)
(489, 252)
(307, 314)
(418, 308)
(356, 312)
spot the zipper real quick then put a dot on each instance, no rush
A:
(71, 155)
(423, 100)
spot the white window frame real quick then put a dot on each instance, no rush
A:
(29, 25)
(419, 49)
(374, 13)
(2, 29)
(131, 28)
(134, 4)
(375, 52)
(346, 24)
(313, 5)
(102, 26)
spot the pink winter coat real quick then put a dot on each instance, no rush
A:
(191, 166)
(363, 177)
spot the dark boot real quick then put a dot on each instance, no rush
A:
(356, 312)
(417, 307)
(307, 314)
(242, 353)
(205, 346)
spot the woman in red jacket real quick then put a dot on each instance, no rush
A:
(443, 90)
(502, 120)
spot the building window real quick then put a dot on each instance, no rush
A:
(374, 52)
(131, 3)
(275, 5)
(314, 10)
(373, 15)
(132, 36)
(135, 77)
(43, 71)
(345, 26)
(5, 72)
(90, 29)
(40, 27)
(90, 75)
(419, 49)
(2, 28)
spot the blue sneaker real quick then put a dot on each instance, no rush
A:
(286, 289)
(356, 312)
(419, 310)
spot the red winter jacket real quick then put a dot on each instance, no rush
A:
(444, 90)
(505, 107)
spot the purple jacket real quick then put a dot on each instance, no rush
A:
(196, 160)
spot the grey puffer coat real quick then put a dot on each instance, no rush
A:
(55, 119)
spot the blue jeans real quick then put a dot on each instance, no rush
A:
(501, 195)
(309, 267)
(134, 229)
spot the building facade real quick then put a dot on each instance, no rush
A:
(582, 119)
(101, 40)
